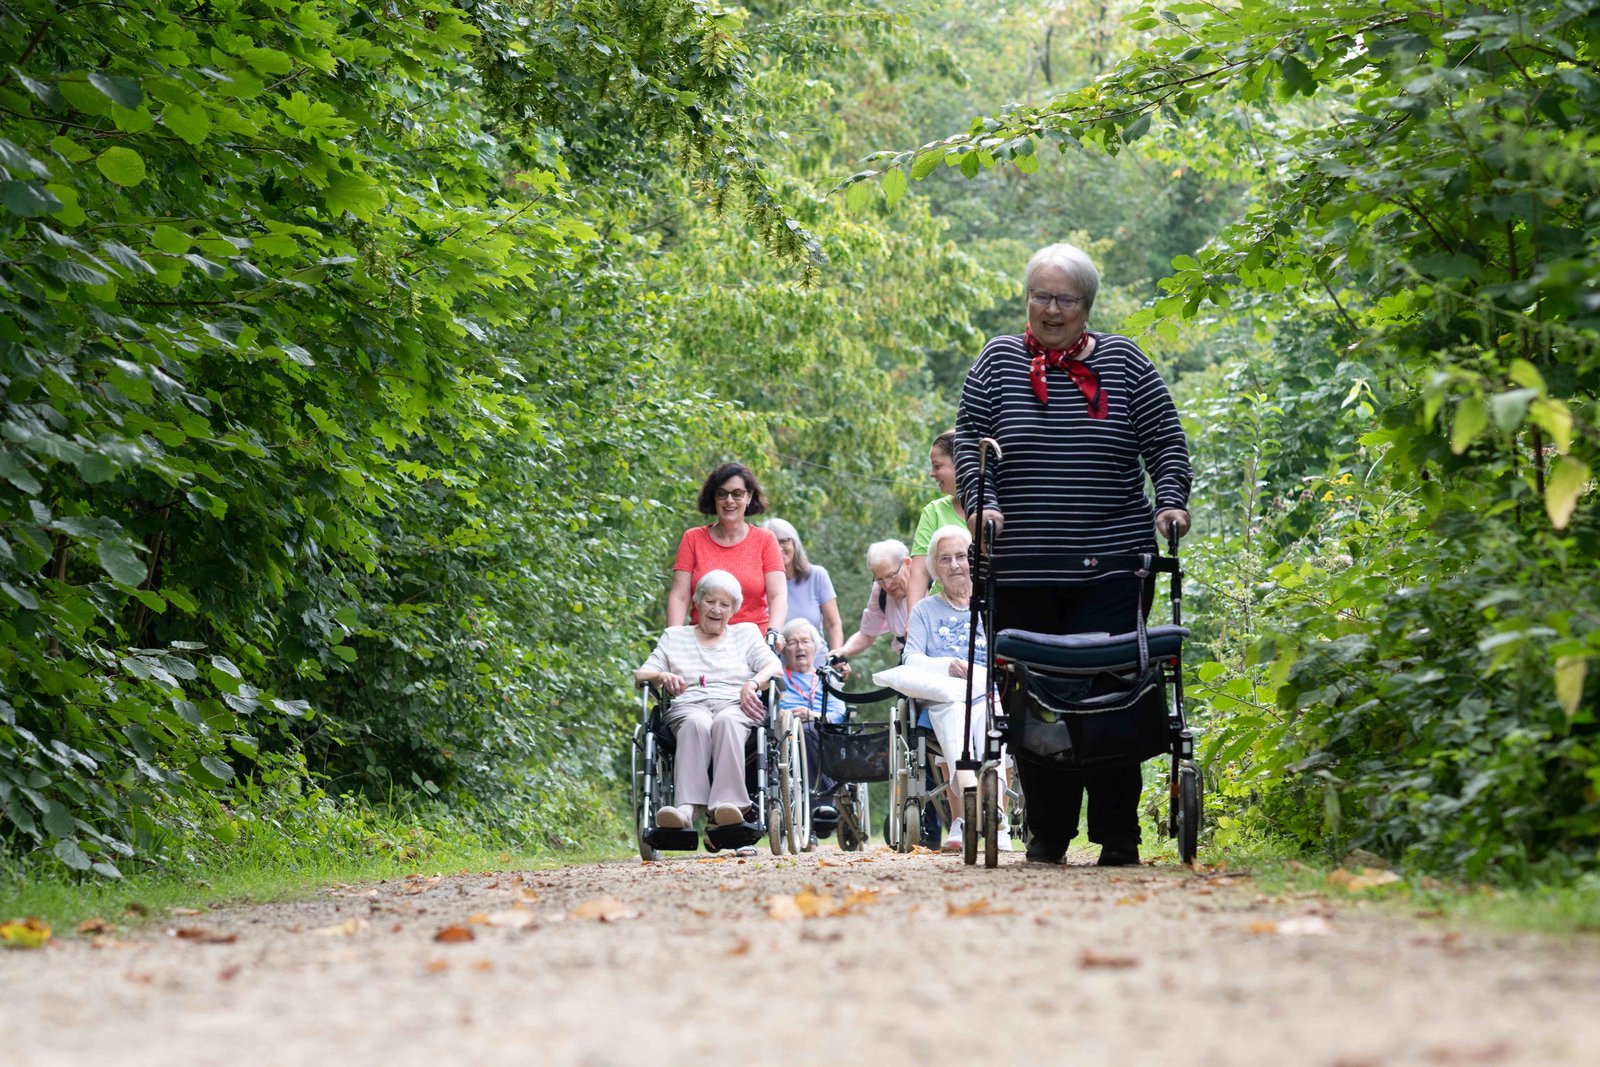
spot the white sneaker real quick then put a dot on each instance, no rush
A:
(953, 841)
(1003, 838)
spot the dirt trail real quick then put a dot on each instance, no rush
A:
(922, 960)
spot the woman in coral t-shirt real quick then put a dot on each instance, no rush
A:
(731, 544)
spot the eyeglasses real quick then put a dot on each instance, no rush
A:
(951, 561)
(732, 494)
(1064, 301)
(880, 578)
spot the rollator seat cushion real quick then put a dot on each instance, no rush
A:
(1088, 651)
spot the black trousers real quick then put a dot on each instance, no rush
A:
(1053, 793)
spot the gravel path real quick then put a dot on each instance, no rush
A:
(831, 958)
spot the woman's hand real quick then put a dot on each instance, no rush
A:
(975, 522)
(958, 668)
(750, 701)
(1170, 521)
(672, 684)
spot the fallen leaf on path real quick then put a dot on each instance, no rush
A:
(703, 913)
(711, 859)
(183, 911)
(24, 933)
(348, 928)
(455, 934)
(812, 904)
(229, 973)
(478, 918)
(434, 966)
(96, 926)
(139, 977)
(133, 907)
(783, 908)
(980, 906)
(923, 850)
(1137, 898)
(1302, 926)
(604, 909)
(511, 919)
(204, 935)
(105, 941)
(859, 898)
(731, 887)
(483, 965)
(740, 948)
(527, 895)
(1362, 879)
(1090, 958)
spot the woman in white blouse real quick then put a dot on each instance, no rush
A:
(714, 673)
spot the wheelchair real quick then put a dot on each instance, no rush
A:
(775, 773)
(853, 754)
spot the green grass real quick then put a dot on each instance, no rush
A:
(241, 877)
(1565, 909)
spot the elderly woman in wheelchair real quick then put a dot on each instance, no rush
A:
(937, 636)
(715, 674)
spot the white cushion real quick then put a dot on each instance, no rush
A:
(925, 681)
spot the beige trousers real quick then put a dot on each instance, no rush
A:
(709, 768)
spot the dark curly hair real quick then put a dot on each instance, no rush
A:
(708, 492)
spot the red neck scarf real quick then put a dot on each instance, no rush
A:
(1082, 375)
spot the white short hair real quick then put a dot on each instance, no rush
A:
(943, 534)
(718, 582)
(890, 551)
(1072, 259)
(794, 626)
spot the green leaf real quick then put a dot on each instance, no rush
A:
(71, 853)
(926, 163)
(1509, 409)
(28, 199)
(122, 91)
(1137, 128)
(858, 196)
(1567, 482)
(1569, 677)
(58, 820)
(120, 561)
(171, 241)
(355, 194)
(894, 185)
(122, 166)
(192, 125)
(217, 768)
(1471, 418)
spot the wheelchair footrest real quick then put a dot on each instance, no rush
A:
(735, 835)
(673, 839)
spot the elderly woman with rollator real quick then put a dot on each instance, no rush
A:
(1081, 417)
(714, 673)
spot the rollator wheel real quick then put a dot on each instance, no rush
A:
(910, 826)
(775, 827)
(991, 817)
(969, 826)
(641, 806)
(1188, 813)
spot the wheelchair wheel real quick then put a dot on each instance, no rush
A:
(992, 813)
(796, 799)
(775, 827)
(969, 825)
(641, 800)
(910, 826)
(1188, 812)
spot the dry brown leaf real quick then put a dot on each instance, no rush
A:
(348, 928)
(812, 904)
(455, 934)
(1263, 926)
(228, 973)
(711, 859)
(479, 918)
(96, 926)
(483, 965)
(204, 935)
(434, 966)
(924, 850)
(1362, 879)
(514, 918)
(703, 913)
(24, 933)
(859, 898)
(604, 909)
(528, 895)
(740, 947)
(980, 906)
(781, 907)
(1090, 958)
(1137, 898)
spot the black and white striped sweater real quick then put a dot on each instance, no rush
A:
(1070, 487)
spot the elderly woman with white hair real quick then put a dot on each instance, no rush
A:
(714, 673)
(1082, 418)
(811, 595)
(802, 695)
(937, 637)
(887, 608)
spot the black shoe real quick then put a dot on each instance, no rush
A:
(825, 813)
(1118, 856)
(1041, 851)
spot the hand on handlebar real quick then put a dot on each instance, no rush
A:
(838, 666)
(750, 701)
(975, 522)
(671, 684)
(1172, 523)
